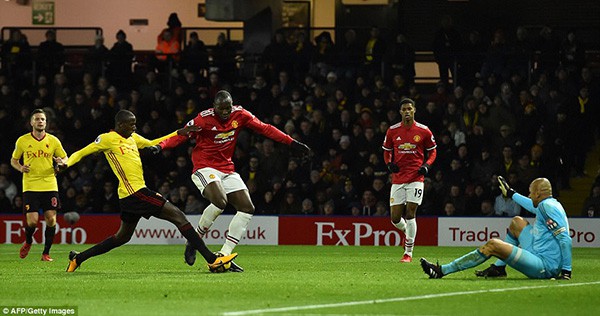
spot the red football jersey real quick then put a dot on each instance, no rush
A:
(215, 142)
(407, 147)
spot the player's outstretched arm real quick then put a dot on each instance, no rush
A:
(80, 154)
(187, 130)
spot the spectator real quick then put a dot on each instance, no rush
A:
(507, 138)
(457, 175)
(355, 209)
(380, 190)
(266, 205)
(525, 171)
(446, 44)
(194, 57)
(457, 199)
(223, 56)
(452, 114)
(96, 58)
(402, 59)
(173, 27)
(475, 195)
(193, 205)
(324, 56)
(495, 62)
(368, 202)
(374, 52)
(166, 53)
(17, 204)
(471, 60)
(107, 200)
(16, 57)
(487, 208)
(121, 57)
(549, 48)
(440, 96)
(276, 55)
(290, 205)
(349, 56)
(507, 163)
(303, 51)
(521, 53)
(51, 55)
(504, 206)
(348, 195)
(307, 207)
(449, 209)
(432, 118)
(431, 204)
(592, 202)
(329, 208)
(9, 187)
(381, 209)
(5, 203)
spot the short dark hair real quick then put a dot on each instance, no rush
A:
(123, 115)
(222, 96)
(36, 111)
(407, 100)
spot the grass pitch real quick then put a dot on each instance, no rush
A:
(290, 280)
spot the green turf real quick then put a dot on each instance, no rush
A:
(154, 280)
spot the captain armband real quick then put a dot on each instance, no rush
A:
(553, 227)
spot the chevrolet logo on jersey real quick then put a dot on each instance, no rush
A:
(225, 135)
(407, 146)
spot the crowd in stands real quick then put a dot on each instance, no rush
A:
(501, 117)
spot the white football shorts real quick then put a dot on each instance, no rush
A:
(231, 181)
(406, 192)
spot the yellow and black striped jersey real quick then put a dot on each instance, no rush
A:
(123, 157)
(38, 154)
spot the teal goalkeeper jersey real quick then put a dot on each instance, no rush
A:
(551, 239)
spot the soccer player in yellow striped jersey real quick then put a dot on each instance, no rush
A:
(40, 190)
(120, 147)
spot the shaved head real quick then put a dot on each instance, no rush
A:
(543, 186)
(539, 190)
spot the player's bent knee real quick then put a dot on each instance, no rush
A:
(516, 225)
(220, 203)
(248, 209)
(494, 245)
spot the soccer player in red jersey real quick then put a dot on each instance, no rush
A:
(409, 151)
(121, 148)
(214, 173)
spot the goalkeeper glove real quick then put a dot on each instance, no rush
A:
(507, 191)
(155, 149)
(424, 169)
(393, 168)
(565, 275)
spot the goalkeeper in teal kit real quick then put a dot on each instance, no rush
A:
(540, 251)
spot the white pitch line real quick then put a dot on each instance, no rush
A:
(397, 299)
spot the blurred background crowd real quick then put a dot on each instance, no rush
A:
(518, 104)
